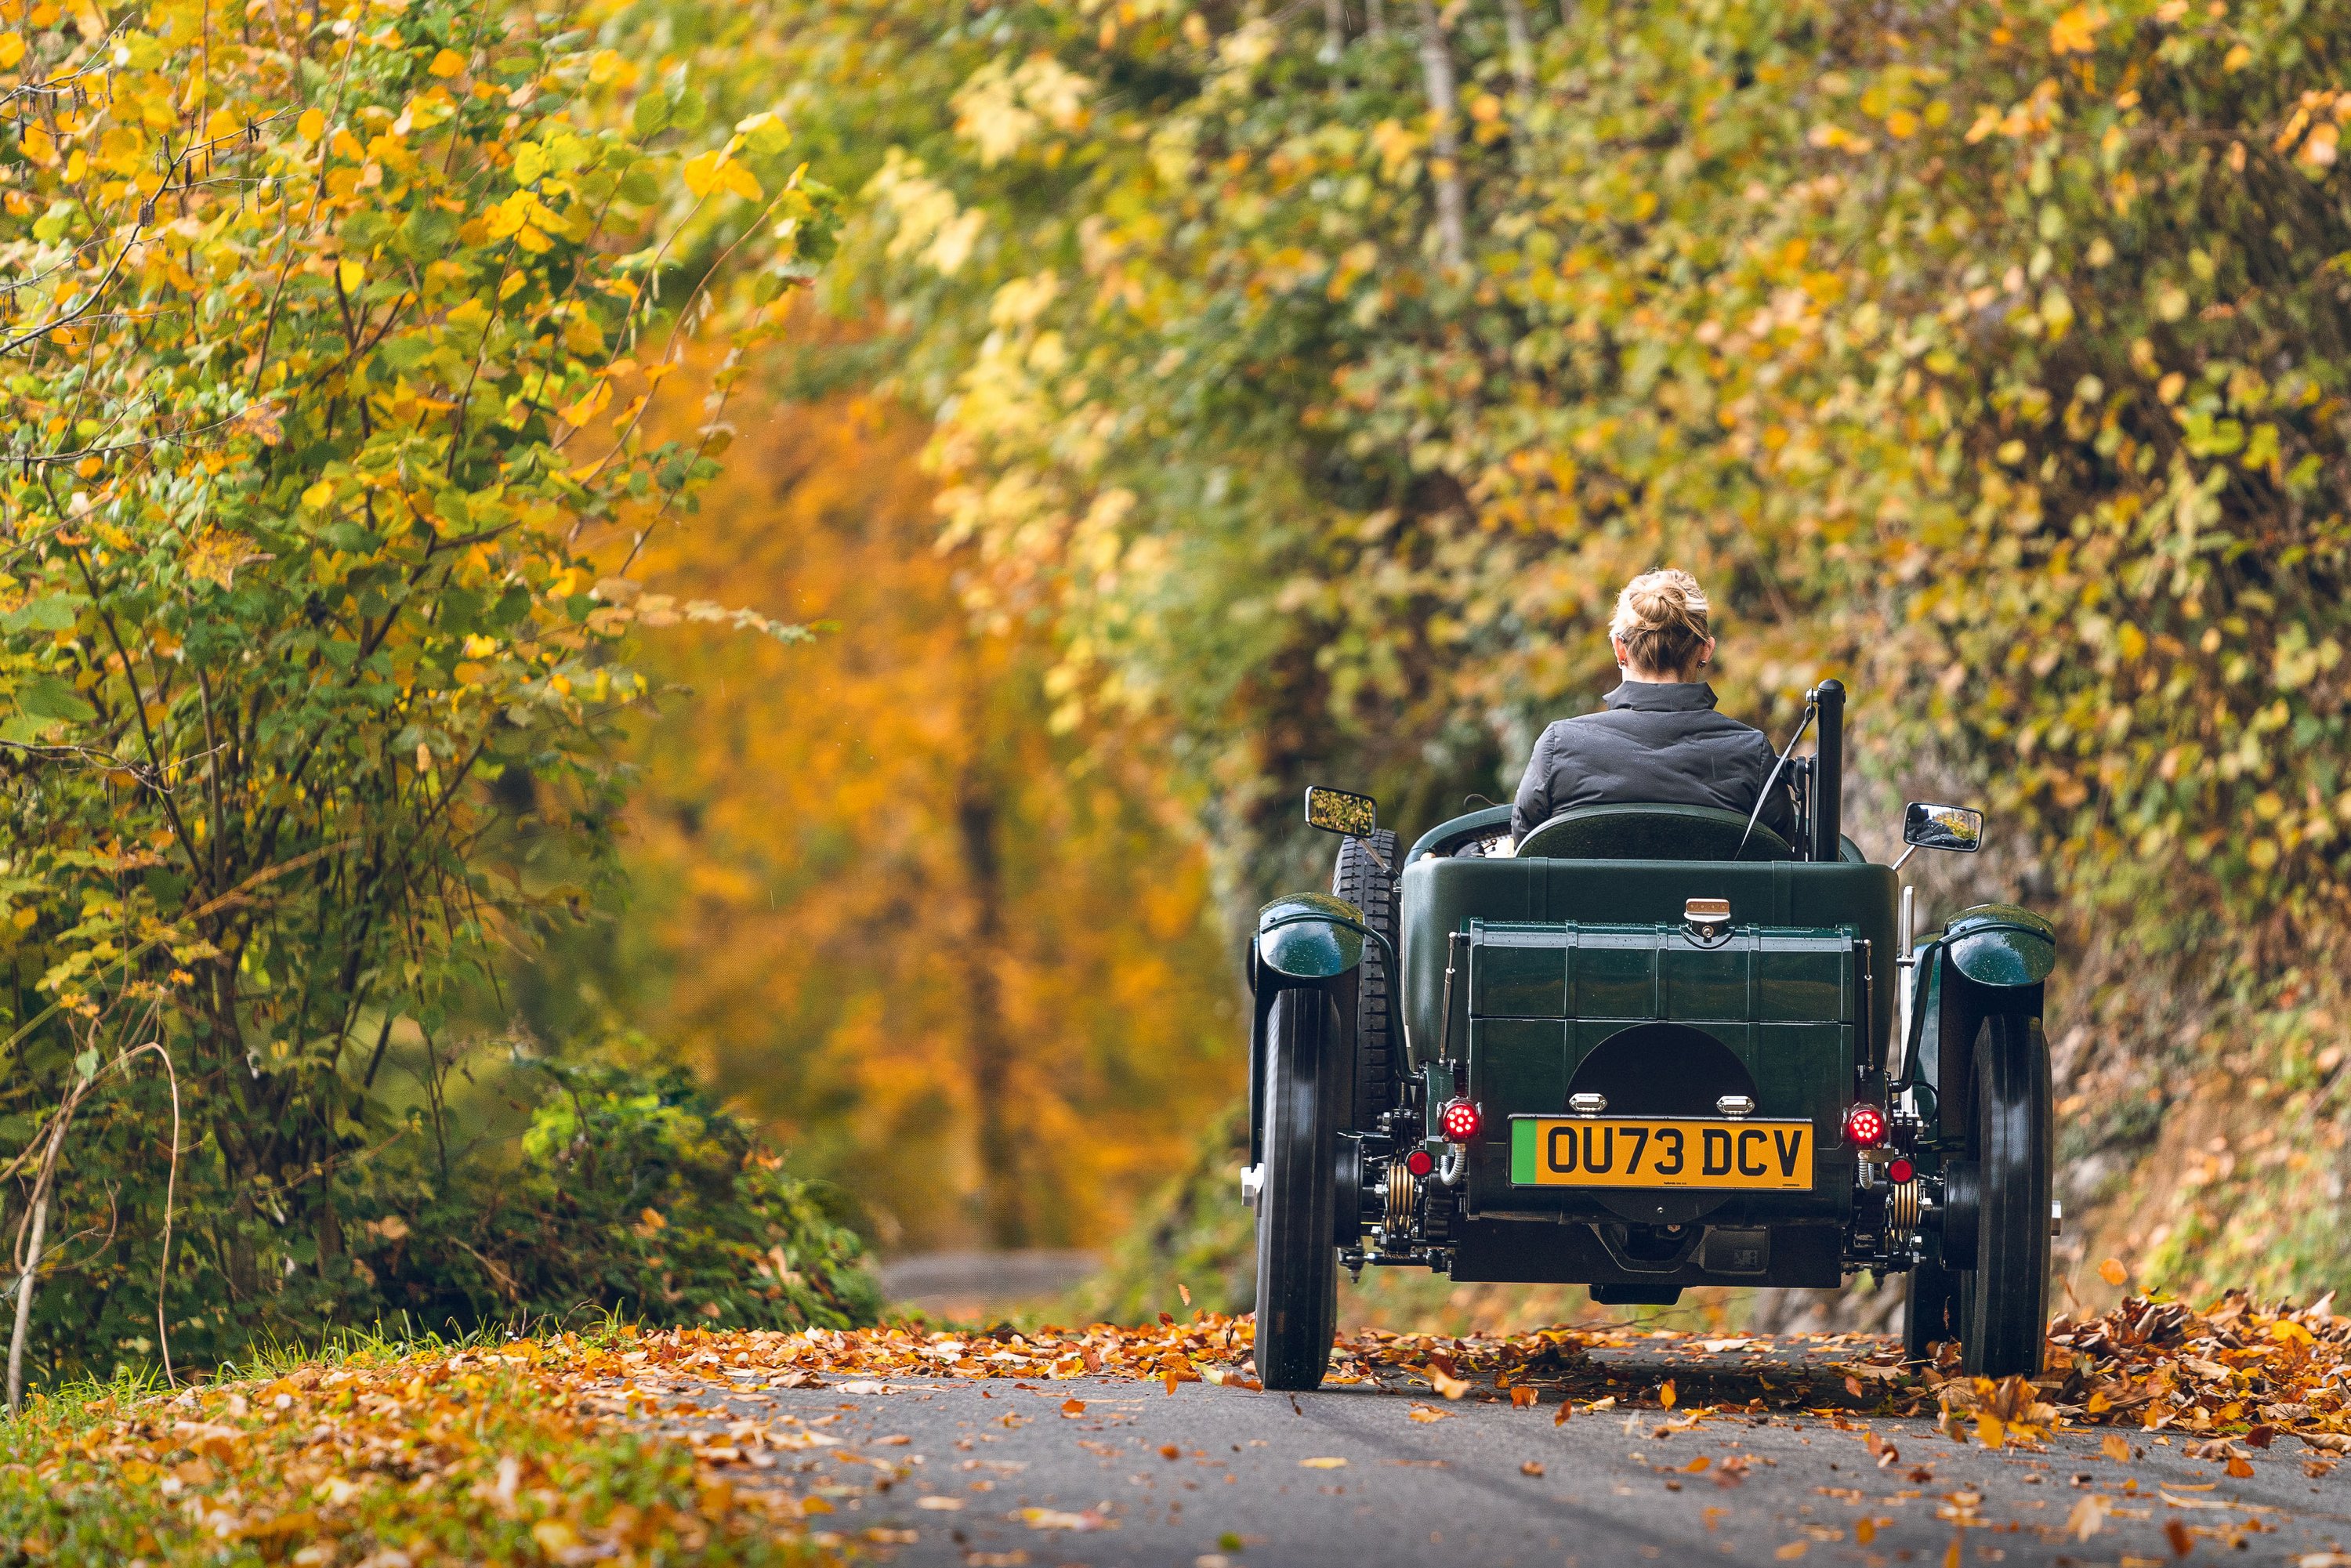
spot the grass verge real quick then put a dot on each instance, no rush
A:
(378, 1453)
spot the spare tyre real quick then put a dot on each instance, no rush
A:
(1368, 881)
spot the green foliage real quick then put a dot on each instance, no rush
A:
(635, 1195)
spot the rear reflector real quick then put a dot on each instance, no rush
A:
(1420, 1161)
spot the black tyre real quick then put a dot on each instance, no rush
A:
(2003, 1307)
(1926, 1317)
(1297, 1264)
(1364, 882)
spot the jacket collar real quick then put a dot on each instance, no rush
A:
(1661, 696)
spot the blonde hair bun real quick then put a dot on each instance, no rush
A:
(1661, 620)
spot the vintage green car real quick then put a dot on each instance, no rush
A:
(1655, 1047)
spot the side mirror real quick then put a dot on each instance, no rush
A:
(1342, 811)
(1926, 827)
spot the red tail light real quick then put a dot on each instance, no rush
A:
(1459, 1120)
(1899, 1170)
(1420, 1161)
(1864, 1127)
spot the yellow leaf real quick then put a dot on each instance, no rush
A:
(39, 147)
(1445, 1383)
(1990, 1432)
(318, 494)
(12, 49)
(2113, 1272)
(1793, 1550)
(1322, 1464)
(447, 64)
(350, 274)
(311, 126)
(531, 240)
(764, 134)
(2237, 59)
(606, 66)
(741, 181)
(2076, 32)
(510, 285)
(1665, 1396)
(505, 218)
(1522, 1397)
(1425, 1414)
(701, 173)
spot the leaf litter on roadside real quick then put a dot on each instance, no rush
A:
(542, 1445)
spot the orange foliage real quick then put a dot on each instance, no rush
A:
(965, 966)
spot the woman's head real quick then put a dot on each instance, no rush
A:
(1659, 627)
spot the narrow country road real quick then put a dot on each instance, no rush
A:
(1106, 1473)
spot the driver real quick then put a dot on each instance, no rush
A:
(1658, 740)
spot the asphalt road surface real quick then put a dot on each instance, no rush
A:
(932, 1471)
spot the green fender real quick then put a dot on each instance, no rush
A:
(1310, 937)
(1991, 958)
(2000, 945)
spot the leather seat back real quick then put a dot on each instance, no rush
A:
(1651, 834)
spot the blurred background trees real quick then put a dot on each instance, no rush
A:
(962, 963)
(1992, 358)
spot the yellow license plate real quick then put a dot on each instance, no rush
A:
(1626, 1151)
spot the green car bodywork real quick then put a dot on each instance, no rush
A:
(1672, 980)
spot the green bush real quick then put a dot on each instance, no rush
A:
(620, 1190)
(634, 1194)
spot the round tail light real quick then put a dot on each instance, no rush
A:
(1459, 1120)
(1420, 1161)
(1864, 1127)
(1899, 1170)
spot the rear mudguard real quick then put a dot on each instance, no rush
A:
(1993, 958)
(1305, 942)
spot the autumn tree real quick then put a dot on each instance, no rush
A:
(320, 326)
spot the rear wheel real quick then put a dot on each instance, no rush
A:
(2004, 1298)
(1371, 886)
(1297, 1265)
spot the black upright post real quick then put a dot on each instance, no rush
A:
(1828, 774)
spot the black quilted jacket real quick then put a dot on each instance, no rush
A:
(1656, 743)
